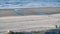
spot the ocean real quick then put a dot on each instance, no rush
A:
(29, 3)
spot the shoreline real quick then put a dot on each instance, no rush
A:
(28, 7)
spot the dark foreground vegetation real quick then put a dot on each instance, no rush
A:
(52, 31)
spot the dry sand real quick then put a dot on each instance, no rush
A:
(29, 22)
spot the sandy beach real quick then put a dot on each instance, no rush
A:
(29, 19)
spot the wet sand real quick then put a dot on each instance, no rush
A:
(30, 11)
